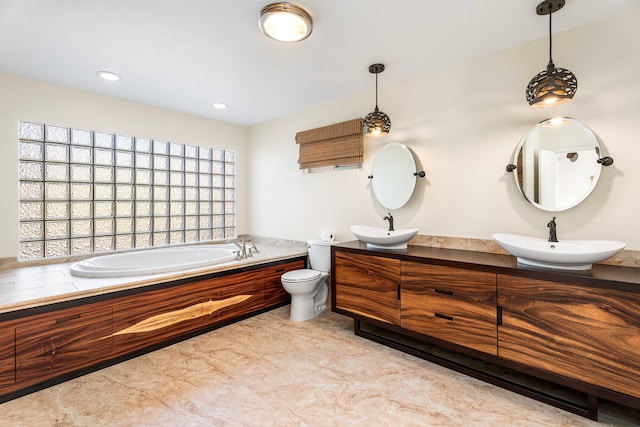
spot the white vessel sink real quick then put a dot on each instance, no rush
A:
(378, 237)
(564, 255)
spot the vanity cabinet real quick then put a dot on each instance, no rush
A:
(368, 286)
(44, 345)
(589, 334)
(451, 304)
(486, 316)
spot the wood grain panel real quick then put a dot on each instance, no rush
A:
(422, 282)
(136, 309)
(274, 293)
(456, 324)
(451, 304)
(62, 341)
(7, 356)
(368, 286)
(589, 334)
(250, 284)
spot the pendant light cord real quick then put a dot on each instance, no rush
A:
(550, 37)
(376, 92)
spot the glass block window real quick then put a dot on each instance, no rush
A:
(84, 192)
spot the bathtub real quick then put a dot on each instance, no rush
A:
(159, 260)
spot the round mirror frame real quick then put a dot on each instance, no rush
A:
(393, 175)
(555, 171)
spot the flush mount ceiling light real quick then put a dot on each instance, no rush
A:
(108, 75)
(552, 86)
(285, 22)
(376, 123)
(219, 105)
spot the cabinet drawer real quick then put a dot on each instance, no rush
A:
(423, 284)
(62, 341)
(451, 304)
(459, 323)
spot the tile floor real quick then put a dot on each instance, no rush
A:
(268, 371)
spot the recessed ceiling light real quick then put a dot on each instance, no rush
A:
(219, 105)
(108, 75)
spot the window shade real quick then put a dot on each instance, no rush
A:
(333, 145)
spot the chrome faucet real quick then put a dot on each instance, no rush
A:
(552, 230)
(244, 251)
(390, 219)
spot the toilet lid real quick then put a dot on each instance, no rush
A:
(301, 275)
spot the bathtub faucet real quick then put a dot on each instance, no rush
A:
(245, 251)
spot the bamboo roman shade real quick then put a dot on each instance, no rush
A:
(334, 145)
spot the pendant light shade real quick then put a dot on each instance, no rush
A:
(552, 86)
(285, 22)
(376, 123)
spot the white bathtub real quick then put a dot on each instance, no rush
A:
(160, 260)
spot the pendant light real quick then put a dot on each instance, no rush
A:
(376, 123)
(285, 22)
(552, 86)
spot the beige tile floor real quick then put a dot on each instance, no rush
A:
(268, 371)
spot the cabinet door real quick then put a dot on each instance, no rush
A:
(368, 286)
(589, 334)
(274, 293)
(451, 304)
(62, 341)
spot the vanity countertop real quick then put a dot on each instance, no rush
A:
(28, 287)
(625, 278)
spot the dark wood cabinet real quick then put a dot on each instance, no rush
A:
(585, 333)
(484, 315)
(368, 286)
(451, 304)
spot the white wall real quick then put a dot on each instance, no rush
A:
(28, 100)
(463, 122)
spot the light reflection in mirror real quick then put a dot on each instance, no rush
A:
(557, 164)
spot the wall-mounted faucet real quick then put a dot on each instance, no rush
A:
(390, 219)
(552, 230)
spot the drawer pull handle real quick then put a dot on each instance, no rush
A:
(442, 291)
(280, 270)
(444, 316)
(66, 319)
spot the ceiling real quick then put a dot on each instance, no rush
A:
(185, 54)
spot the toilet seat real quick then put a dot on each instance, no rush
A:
(305, 275)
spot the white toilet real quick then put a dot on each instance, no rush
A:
(308, 287)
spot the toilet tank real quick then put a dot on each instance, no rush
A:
(319, 255)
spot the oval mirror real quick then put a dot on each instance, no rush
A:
(393, 174)
(557, 164)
